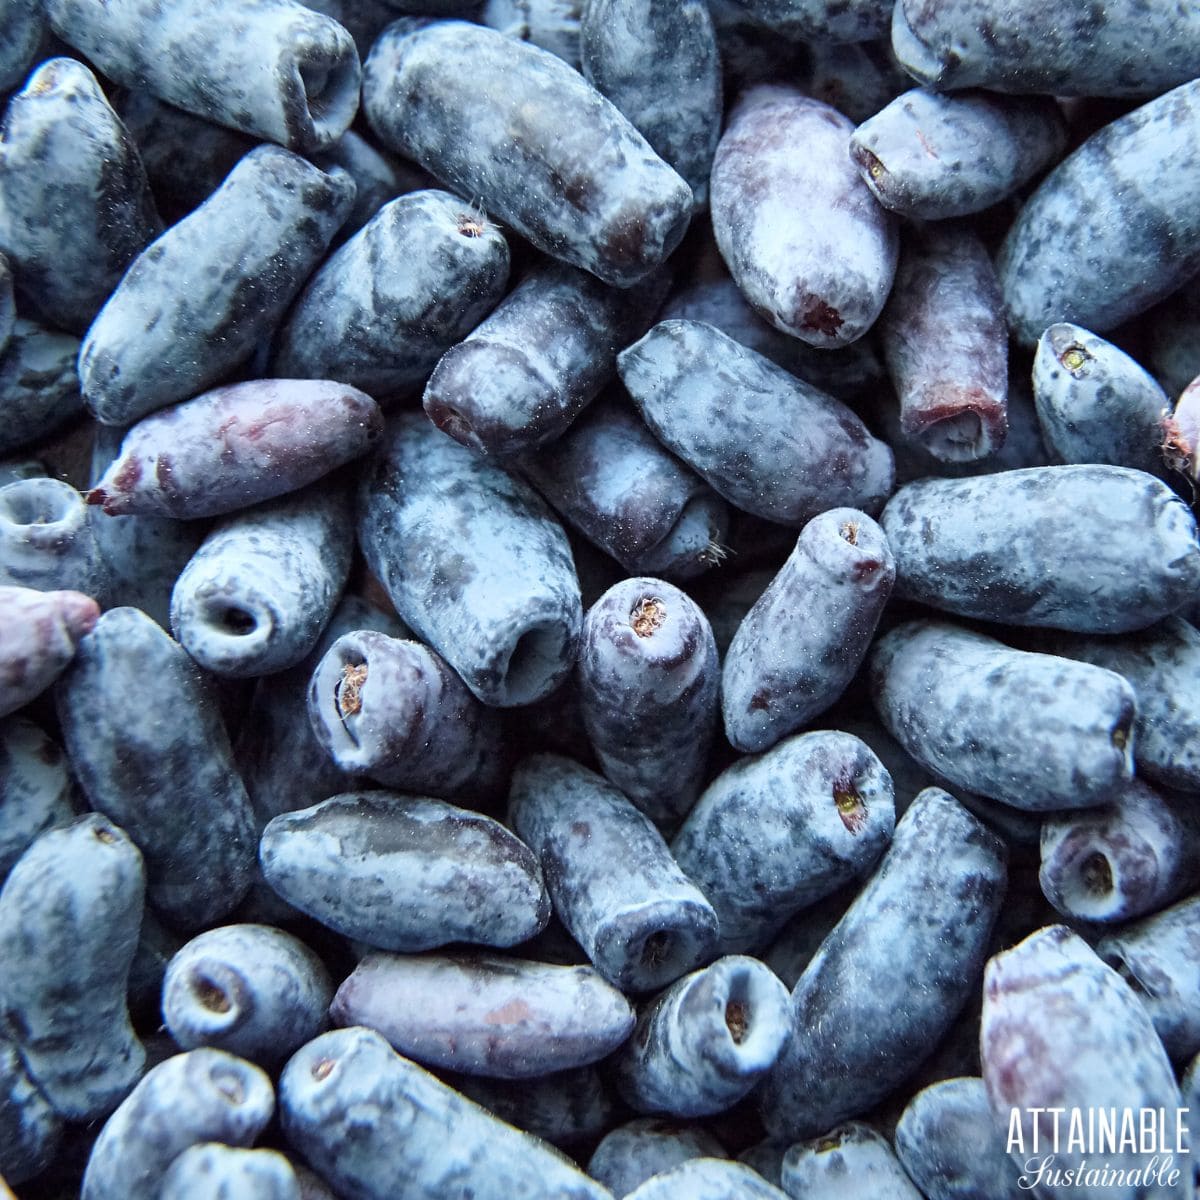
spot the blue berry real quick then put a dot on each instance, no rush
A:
(190, 1099)
(614, 884)
(271, 69)
(423, 1140)
(511, 124)
(69, 917)
(405, 872)
(150, 750)
(481, 1014)
(705, 1042)
(263, 584)
(251, 990)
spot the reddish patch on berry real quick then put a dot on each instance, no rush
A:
(511, 1013)
(1177, 449)
(823, 318)
(926, 146)
(128, 476)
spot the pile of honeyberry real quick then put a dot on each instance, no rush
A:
(598, 598)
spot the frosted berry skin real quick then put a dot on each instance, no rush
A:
(230, 1173)
(252, 990)
(952, 1146)
(931, 156)
(381, 311)
(69, 918)
(1123, 860)
(613, 481)
(270, 68)
(565, 1108)
(768, 442)
(532, 367)
(395, 711)
(39, 632)
(658, 63)
(852, 1156)
(506, 1018)
(149, 749)
(1090, 549)
(703, 1044)
(1066, 50)
(936, 893)
(782, 830)
(36, 790)
(1113, 228)
(1162, 665)
(75, 205)
(312, 1186)
(613, 882)
(801, 643)
(1156, 957)
(256, 595)
(946, 344)
(1061, 1028)
(423, 1142)
(197, 301)
(405, 872)
(630, 1154)
(924, 679)
(648, 680)
(707, 1179)
(474, 562)
(142, 556)
(203, 1096)
(551, 24)
(824, 282)
(283, 764)
(1095, 404)
(46, 540)
(513, 126)
(236, 446)
(24, 24)
(30, 1129)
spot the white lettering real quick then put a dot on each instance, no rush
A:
(1016, 1139)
